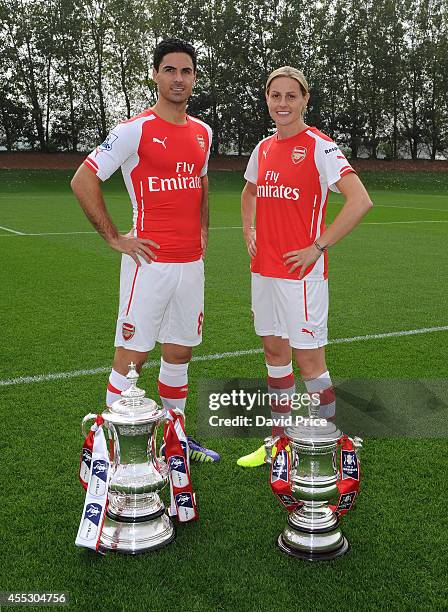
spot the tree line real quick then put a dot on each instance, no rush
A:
(378, 69)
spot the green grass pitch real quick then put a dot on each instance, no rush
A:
(59, 302)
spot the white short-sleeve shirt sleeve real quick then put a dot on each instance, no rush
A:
(210, 138)
(251, 173)
(332, 163)
(121, 142)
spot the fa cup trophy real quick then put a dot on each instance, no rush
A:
(135, 520)
(320, 465)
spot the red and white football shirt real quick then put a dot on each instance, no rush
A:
(162, 165)
(293, 177)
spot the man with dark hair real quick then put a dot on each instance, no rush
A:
(173, 45)
(163, 155)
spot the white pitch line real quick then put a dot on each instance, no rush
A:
(61, 233)
(228, 227)
(398, 334)
(47, 233)
(94, 232)
(231, 227)
(402, 222)
(410, 207)
(224, 227)
(362, 223)
(212, 357)
(8, 229)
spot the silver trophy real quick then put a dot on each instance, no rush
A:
(136, 520)
(313, 532)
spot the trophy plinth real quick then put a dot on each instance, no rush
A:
(136, 520)
(313, 532)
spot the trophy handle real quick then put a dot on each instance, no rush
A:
(357, 443)
(156, 451)
(88, 417)
(269, 444)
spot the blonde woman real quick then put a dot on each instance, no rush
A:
(283, 203)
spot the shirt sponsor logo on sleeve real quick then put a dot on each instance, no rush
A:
(327, 151)
(107, 144)
(298, 154)
(201, 141)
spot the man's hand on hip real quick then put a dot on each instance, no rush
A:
(135, 247)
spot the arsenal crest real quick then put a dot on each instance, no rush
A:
(201, 141)
(128, 331)
(298, 154)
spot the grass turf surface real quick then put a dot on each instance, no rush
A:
(60, 297)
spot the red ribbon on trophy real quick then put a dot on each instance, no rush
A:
(86, 453)
(281, 475)
(183, 502)
(349, 472)
(94, 474)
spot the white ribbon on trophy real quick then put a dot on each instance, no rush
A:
(95, 504)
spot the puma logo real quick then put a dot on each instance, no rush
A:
(307, 331)
(162, 142)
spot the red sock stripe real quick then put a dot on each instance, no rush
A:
(112, 389)
(279, 408)
(327, 396)
(172, 392)
(277, 431)
(286, 382)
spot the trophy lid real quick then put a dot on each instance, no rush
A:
(314, 430)
(133, 403)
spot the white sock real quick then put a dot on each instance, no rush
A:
(117, 383)
(324, 387)
(173, 385)
(281, 387)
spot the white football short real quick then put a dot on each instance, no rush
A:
(160, 302)
(296, 310)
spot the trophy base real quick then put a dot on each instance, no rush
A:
(134, 508)
(136, 538)
(312, 555)
(122, 518)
